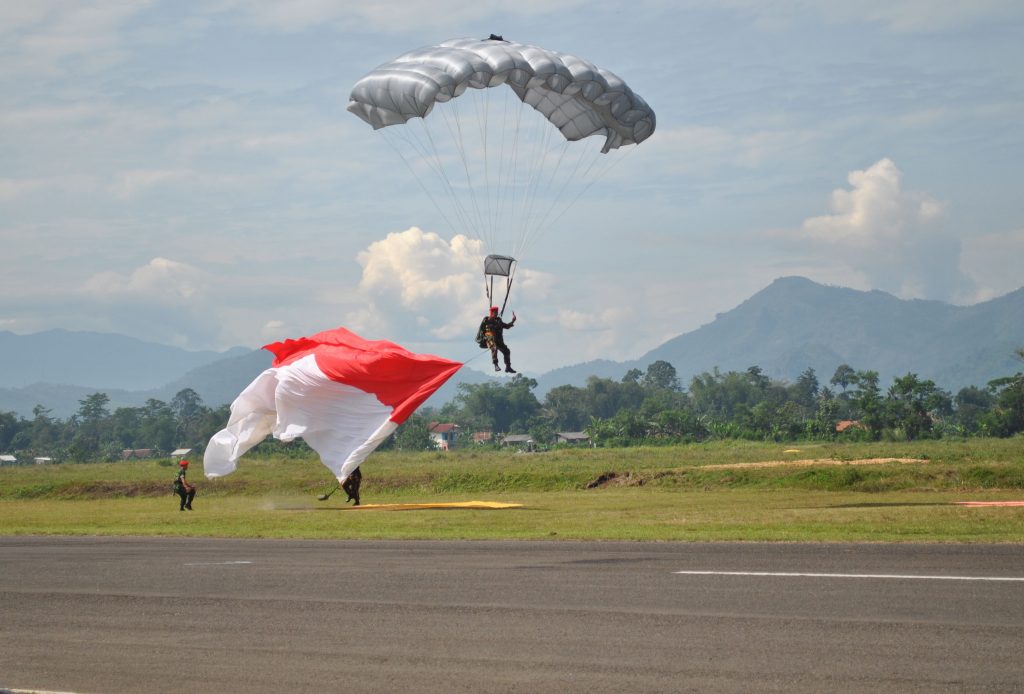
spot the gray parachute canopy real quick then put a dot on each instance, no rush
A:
(577, 97)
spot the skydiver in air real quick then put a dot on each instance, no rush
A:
(491, 336)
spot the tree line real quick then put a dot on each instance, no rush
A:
(650, 407)
(96, 433)
(643, 407)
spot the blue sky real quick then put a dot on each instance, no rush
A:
(186, 172)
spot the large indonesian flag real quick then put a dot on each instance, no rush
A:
(344, 395)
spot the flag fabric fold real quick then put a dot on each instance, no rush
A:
(342, 393)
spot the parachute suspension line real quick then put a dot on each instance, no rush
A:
(554, 147)
(541, 180)
(483, 112)
(508, 289)
(538, 182)
(523, 165)
(534, 229)
(454, 124)
(601, 174)
(559, 196)
(539, 157)
(515, 160)
(499, 192)
(457, 201)
(419, 179)
(408, 134)
(489, 289)
(423, 138)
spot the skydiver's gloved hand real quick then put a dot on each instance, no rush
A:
(513, 318)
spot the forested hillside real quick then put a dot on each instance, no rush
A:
(795, 324)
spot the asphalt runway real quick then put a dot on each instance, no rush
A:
(135, 615)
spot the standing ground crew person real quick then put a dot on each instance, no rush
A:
(491, 335)
(182, 488)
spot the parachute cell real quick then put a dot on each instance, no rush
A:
(577, 97)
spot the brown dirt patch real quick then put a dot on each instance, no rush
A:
(814, 461)
(632, 479)
(614, 479)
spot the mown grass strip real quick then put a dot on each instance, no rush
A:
(678, 493)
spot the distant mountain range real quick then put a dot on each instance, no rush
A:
(795, 323)
(785, 328)
(95, 360)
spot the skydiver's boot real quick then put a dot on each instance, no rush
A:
(496, 367)
(508, 369)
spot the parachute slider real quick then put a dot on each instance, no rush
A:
(500, 265)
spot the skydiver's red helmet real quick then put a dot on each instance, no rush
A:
(494, 310)
(183, 463)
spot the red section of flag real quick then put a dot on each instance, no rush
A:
(398, 378)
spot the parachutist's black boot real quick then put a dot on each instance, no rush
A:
(496, 367)
(509, 369)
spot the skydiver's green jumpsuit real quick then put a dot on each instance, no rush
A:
(182, 488)
(492, 329)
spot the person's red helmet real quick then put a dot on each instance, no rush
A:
(494, 310)
(183, 463)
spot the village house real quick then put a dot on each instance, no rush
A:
(443, 434)
(521, 441)
(577, 438)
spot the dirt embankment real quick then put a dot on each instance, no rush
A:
(633, 479)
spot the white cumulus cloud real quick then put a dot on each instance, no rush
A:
(892, 236)
(162, 280)
(414, 282)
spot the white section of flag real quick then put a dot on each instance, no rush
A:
(340, 422)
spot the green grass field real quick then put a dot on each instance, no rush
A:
(655, 494)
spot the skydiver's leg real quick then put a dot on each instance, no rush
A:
(507, 354)
(182, 494)
(188, 502)
(351, 486)
(493, 346)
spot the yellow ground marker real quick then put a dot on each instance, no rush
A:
(441, 504)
